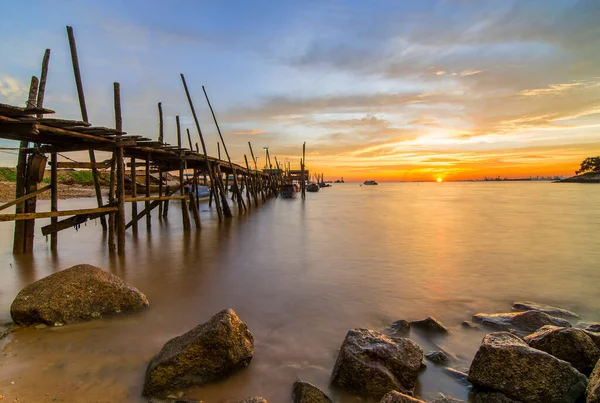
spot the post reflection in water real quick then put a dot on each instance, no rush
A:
(301, 274)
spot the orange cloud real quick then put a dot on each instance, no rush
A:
(247, 132)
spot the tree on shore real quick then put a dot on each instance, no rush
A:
(590, 164)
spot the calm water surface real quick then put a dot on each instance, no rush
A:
(301, 275)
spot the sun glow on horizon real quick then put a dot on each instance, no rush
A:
(439, 180)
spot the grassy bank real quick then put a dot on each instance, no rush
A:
(65, 177)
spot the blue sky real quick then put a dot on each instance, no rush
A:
(400, 89)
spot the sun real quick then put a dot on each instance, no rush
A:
(439, 180)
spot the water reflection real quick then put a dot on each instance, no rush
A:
(302, 273)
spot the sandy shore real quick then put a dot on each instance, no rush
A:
(7, 192)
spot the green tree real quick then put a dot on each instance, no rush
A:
(590, 164)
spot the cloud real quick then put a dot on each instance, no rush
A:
(247, 132)
(12, 90)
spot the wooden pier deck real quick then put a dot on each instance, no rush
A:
(41, 138)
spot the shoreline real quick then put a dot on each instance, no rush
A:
(7, 192)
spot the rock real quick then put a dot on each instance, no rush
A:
(524, 322)
(568, 344)
(79, 293)
(460, 376)
(469, 325)
(371, 364)
(304, 392)
(438, 358)
(210, 351)
(397, 397)
(595, 336)
(590, 327)
(504, 363)
(523, 306)
(255, 399)
(491, 397)
(429, 325)
(399, 328)
(593, 391)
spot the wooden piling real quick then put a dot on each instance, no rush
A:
(240, 201)
(147, 183)
(302, 175)
(220, 211)
(194, 208)
(184, 211)
(120, 191)
(160, 172)
(133, 194)
(54, 196)
(84, 117)
(111, 199)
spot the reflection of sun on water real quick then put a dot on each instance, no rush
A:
(439, 180)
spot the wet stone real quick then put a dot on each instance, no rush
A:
(522, 322)
(429, 325)
(397, 397)
(438, 358)
(399, 328)
(523, 306)
(304, 392)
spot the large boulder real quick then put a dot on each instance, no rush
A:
(77, 294)
(568, 344)
(593, 391)
(210, 351)
(255, 399)
(550, 310)
(371, 364)
(522, 322)
(397, 397)
(595, 336)
(429, 325)
(304, 392)
(504, 363)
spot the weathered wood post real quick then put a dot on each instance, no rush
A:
(84, 117)
(258, 177)
(225, 210)
(194, 208)
(134, 212)
(240, 201)
(184, 211)
(160, 172)
(302, 177)
(147, 202)
(120, 191)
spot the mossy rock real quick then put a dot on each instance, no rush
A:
(208, 352)
(371, 364)
(397, 397)
(304, 392)
(504, 363)
(77, 294)
(568, 344)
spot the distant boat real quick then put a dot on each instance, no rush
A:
(201, 193)
(324, 185)
(370, 183)
(312, 187)
(340, 181)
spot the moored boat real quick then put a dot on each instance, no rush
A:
(370, 182)
(312, 187)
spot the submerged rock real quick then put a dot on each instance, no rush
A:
(397, 397)
(399, 328)
(77, 294)
(590, 327)
(469, 325)
(593, 391)
(210, 351)
(304, 392)
(491, 397)
(568, 344)
(438, 357)
(460, 376)
(447, 400)
(429, 325)
(523, 322)
(371, 364)
(506, 364)
(548, 309)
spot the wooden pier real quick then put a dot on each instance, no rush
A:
(42, 138)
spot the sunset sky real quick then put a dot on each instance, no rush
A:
(387, 90)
